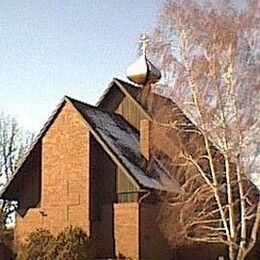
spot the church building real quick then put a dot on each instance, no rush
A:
(104, 168)
(91, 166)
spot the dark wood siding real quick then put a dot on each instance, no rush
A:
(112, 99)
(102, 196)
(125, 189)
(26, 186)
(109, 183)
(131, 112)
(103, 179)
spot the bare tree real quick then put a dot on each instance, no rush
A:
(13, 144)
(208, 52)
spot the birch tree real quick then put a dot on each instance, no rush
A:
(209, 56)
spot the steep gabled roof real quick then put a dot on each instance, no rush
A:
(149, 102)
(123, 141)
(119, 138)
(112, 93)
(125, 87)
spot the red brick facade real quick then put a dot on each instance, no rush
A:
(67, 164)
(127, 229)
(64, 177)
(65, 172)
(145, 138)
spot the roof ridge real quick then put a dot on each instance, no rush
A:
(125, 82)
(101, 110)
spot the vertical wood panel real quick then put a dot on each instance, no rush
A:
(131, 112)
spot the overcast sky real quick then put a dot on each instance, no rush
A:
(49, 49)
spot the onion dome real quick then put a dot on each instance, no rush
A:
(142, 70)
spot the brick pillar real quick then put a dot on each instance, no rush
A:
(145, 126)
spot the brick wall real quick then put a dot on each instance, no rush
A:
(126, 223)
(145, 138)
(65, 164)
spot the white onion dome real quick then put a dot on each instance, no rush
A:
(142, 70)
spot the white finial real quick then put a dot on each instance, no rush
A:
(142, 70)
(144, 40)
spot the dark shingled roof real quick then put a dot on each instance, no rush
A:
(123, 140)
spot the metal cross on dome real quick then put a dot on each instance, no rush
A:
(144, 40)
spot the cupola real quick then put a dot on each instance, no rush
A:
(142, 71)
